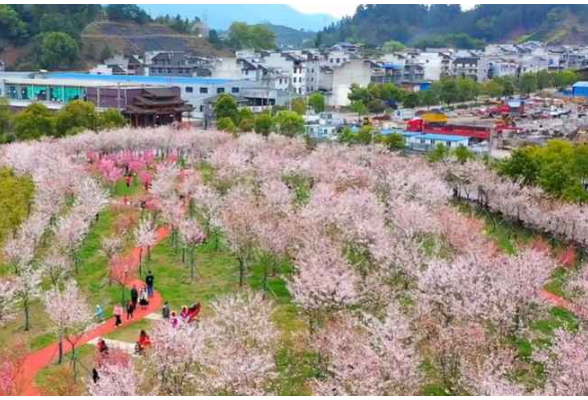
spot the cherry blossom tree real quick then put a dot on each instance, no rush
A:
(231, 352)
(145, 237)
(121, 272)
(239, 226)
(566, 365)
(69, 233)
(240, 354)
(27, 289)
(111, 246)
(116, 380)
(475, 287)
(366, 356)
(56, 266)
(324, 280)
(207, 204)
(176, 357)
(12, 361)
(192, 236)
(7, 300)
(69, 313)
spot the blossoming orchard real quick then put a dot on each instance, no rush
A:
(185, 262)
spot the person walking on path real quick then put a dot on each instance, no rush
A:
(117, 315)
(130, 310)
(149, 280)
(99, 313)
(143, 299)
(165, 311)
(134, 296)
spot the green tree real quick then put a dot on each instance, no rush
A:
(359, 108)
(522, 164)
(299, 106)
(492, 88)
(5, 120)
(289, 123)
(439, 153)
(76, 117)
(34, 122)
(247, 124)
(111, 119)
(376, 106)
(317, 102)
(127, 12)
(12, 27)
(564, 79)
(393, 46)
(367, 134)
(411, 100)
(244, 114)
(57, 50)
(427, 98)
(395, 141)
(544, 80)
(226, 124)
(226, 107)
(264, 124)
(346, 136)
(16, 194)
(257, 37)
(528, 83)
(359, 94)
(56, 22)
(463, 154)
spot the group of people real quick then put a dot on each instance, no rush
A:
(139, 297)
(187, 315)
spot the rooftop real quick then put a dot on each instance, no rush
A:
(445, 138)
(580, 84)
(147, 80)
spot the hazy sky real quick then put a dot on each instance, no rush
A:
(340, 8)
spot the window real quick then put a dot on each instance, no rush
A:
(338, 60)
(189, 89)
(203, 90)
(235, 90)
(220, 90)
(201, 108)
(280, 81)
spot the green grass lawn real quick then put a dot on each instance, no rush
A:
(50, 379)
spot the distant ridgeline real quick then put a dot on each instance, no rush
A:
(442, 25)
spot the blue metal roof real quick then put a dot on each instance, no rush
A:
(580, 84)
(445, 138)
(154, 80)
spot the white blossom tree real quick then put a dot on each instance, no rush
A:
(70, 314)
(27, 289)
(8, 300)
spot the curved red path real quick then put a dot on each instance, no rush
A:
(42, 358)
(563, 303)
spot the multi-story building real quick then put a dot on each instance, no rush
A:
(176, 63)
(466, 66)
(106, 91)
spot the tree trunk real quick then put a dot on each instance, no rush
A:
(192, 267)
(27, 319)
(265, 287)
(140, 262)
(241, 272)
(122, 300)
(60, 351)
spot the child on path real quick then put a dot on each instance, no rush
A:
(130, 310)
(149, 280)
(99, 313)
(165, 311)
(117, 315)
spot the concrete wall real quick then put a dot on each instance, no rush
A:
(356, 71)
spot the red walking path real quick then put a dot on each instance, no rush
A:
(42, 358)
(563, 303)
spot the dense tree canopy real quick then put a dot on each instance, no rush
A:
(243, 36)
(441, 25)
